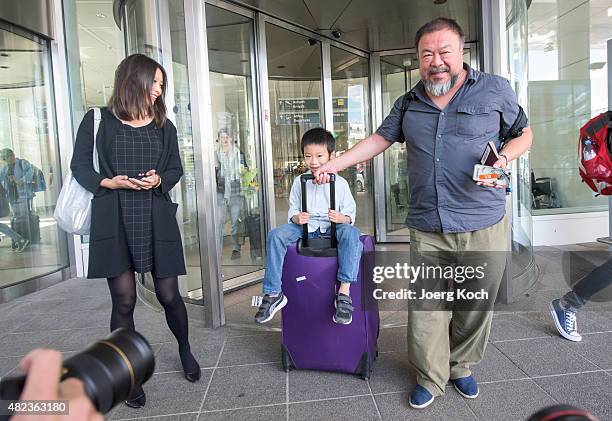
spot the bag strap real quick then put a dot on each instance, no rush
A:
(406, 99)
(516, 130)
(96, 159)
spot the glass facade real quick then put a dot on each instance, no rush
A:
(351, 113)
(567, 78)
(399, 74)
(174, 60)
(306, 72)
(89, 28)
(157, 29)
(237, 160)
(31, 245)
(522, 224)
(296, 94)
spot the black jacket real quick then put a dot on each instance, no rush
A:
(108, 250)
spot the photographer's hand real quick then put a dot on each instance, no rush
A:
(43, 368)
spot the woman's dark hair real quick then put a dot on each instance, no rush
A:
(131, 99)
(436, 25)
(319, 136)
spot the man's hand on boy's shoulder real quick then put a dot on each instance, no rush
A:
(337, 217)
(300, 218)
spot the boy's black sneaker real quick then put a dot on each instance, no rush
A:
(344, 309)
(269, 307)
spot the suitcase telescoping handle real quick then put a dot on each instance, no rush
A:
(332, 197)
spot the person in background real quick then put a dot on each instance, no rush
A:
(228, 163)
(564, 309)
(16, 180)
(17, 173)
(21, 244)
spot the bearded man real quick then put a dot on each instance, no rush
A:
(446, 122)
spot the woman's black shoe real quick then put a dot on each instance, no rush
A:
(137, 398)
(191, 368)
(194, 375)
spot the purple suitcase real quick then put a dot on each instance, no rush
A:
(311, 339)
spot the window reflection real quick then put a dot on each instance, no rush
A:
(239, 223)
(567, 79)
(350, 101)
(31, 245)
(295, 92)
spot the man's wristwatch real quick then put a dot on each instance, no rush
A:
(505, 157)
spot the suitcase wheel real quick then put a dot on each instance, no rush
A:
(365, 367)
(286, 359)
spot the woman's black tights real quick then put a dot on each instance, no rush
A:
(123, 294)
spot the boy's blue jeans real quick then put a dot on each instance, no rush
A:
(349, 253)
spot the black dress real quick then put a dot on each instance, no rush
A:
(135, 151)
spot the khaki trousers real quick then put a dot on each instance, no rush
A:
(443, 344)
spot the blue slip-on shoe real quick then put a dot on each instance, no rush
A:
(565, 321)
(467, 387)
(420, 397)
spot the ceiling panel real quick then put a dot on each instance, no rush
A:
(290, 10)
(325, 13)
(229, 39)
(391, 24)
(372, 25)
(96, 14)
(290, 55)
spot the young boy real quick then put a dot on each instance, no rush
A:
(318, 147)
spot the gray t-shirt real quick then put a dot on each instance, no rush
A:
(443, 146)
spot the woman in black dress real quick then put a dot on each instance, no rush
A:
(133, 225)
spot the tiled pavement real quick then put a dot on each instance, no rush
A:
(526, 366)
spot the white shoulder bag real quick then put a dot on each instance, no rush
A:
(73, 209)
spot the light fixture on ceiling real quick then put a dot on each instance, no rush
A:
(439, 1)
(609, 12)
(100, 15)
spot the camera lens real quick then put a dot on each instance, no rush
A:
(109, 369)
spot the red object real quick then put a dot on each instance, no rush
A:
(597, 172)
